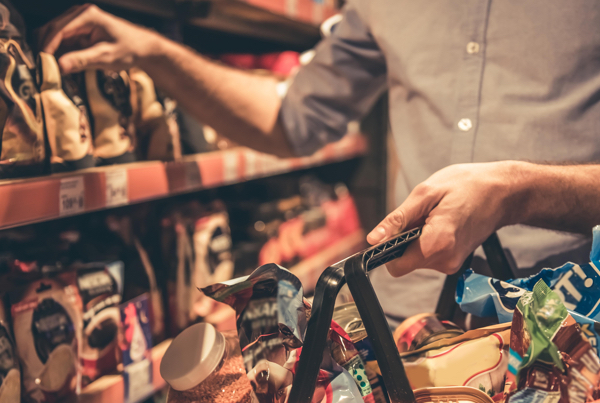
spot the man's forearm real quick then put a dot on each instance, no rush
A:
(559, 197)
(241, 106)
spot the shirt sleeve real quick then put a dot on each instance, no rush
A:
(340, 84)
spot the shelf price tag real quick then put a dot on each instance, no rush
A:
(116, 187)
(71, 197)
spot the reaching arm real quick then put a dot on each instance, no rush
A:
(461, 205)
(241, 106)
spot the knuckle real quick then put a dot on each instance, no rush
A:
(397, 218)
(423, 188)
(91, 8)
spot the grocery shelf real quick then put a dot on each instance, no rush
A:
(110, 388)
(44, 198)
(309, 270)
(291, 22)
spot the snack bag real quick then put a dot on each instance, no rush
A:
(345, 353)
(10, 374)
(137, 348)
(100, 287)
(271, 320)
(65, 116)
(22, 145)
(157, 132)
(549, 358)
(111, 99)
(46, 317)
(477, 358)
(577, 286)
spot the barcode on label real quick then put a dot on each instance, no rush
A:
(71, 197)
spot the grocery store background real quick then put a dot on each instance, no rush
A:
(166, 225)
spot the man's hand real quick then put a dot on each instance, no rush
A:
(95, 39)
(459, 207)
(240, 106)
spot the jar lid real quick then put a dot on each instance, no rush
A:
(192, 356)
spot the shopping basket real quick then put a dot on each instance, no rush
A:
(353, 271)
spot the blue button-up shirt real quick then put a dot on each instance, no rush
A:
(468, 81)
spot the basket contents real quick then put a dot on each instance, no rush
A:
(271, 319)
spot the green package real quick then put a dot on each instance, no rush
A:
(543, 314)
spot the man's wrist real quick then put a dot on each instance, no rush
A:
(152, 51)
(519, 190)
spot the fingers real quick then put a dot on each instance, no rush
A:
(435, 249)
(79, 22)
(44, 33)
(414, 210)
(99, 56)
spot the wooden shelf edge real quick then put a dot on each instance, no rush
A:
(31, 200)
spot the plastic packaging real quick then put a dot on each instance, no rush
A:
(423, 329)
(271, 318)
(100, 287)
(46, 316)
(203, 365)
(10, 374)
(549, 358)
(578, 287)
(347, 317)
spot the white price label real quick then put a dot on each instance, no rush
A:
(116, 187)
(71, 197)
(139, 378)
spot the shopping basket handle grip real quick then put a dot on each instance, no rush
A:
(387, 251)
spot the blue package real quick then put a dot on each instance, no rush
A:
(577, 286)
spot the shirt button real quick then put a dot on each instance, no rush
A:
(465, 124)
(472, 48)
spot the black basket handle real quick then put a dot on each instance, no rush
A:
(353, 270)
(498, 262)
(328, 286)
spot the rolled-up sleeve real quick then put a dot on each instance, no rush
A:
(340, 84)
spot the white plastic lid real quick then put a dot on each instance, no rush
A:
(192, 356)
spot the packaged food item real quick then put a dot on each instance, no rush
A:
(157, 135)
(201, 239)
(100, 287)
(477, 358)
(213, 261)
(136, 348)
(10, 373)
(203, 365)
(271, 318)
(22, 146)
(46, 318)
(577, 286)
(423, 329)
(549, 358)
(345, 354)
(450, 394)
(65, 116)
(111, 99)
(347, 317)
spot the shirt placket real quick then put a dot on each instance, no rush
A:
(469, 82)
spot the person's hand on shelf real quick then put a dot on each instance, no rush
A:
(459, 207)
(87, 37)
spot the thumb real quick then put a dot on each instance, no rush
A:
(99, 56)
(413, 211)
